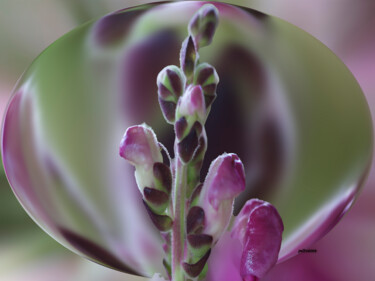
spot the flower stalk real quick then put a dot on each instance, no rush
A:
(192, 216)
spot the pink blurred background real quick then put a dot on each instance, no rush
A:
(29, 26)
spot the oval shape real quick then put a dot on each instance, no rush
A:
(286, 105)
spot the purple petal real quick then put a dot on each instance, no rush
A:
(240, 224)
(224, 181)
(140, 147)
(192, 103)
(262, 241)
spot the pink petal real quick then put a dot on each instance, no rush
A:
(262, 241)
(224, 181)
(240, 224)
(192, 102)
(140, 147)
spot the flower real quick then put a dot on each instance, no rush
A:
(251, 248)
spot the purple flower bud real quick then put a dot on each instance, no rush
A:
(203, 25)
(171, 83)
(188, 146)
(192, 104)
(195, 220)
(193, 270)
(188, 57)
(161, 222)
(224, 181)
(162, 177)
(206, 76)
(168, 108)
(140, 147)
(156, 199)
(259, 229)
(180, 127)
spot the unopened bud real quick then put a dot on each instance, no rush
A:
(161, 222)
(188, 146)
(193, 270)
(192, 105)
(195, 220)
(203, 25)
(157, 200)
(199, 244)
(171, 83)
(162, 177)
(188, 57)
(206, 76)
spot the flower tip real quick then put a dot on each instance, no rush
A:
(139, 146)
(170, 82)
(203, 25)
(228, 179)
(193, 103)
(188, 57)
(196, 101)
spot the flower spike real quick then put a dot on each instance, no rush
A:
(192, 216)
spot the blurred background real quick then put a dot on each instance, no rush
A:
(27, 27)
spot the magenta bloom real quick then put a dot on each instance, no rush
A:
(251, 248)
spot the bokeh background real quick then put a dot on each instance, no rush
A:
(29, 26)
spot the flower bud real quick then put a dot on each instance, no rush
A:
(188, 57)
(140, 147)
(224, 181)
(203, 25)
(156, 199)
(259, 229)
(192, 105)
(171, 85)
(193, 270)
(195, 220)
(206, 76)
(188, 146)
(161, 222)
(162, 177)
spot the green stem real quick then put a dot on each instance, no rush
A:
(178, 229)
